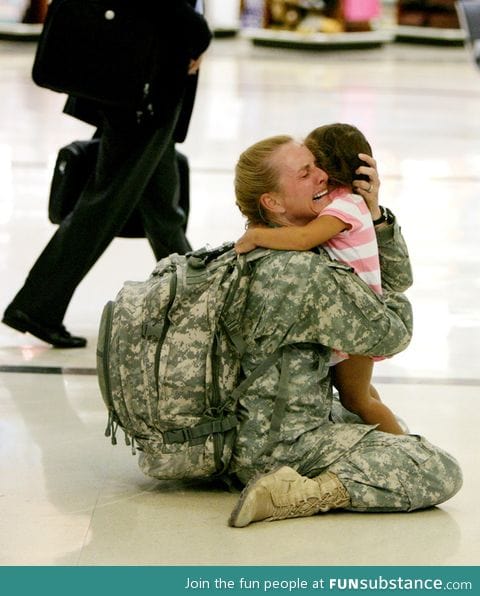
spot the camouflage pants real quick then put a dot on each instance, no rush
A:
(385, 472)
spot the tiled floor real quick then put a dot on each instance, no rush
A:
(69, 498)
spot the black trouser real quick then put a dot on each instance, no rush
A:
(136, 168)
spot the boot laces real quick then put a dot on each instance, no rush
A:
(302, 509)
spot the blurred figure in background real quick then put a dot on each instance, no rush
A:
(136, 169)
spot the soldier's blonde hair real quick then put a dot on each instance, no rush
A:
(256, 174)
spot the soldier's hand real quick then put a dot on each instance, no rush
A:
(369, 189)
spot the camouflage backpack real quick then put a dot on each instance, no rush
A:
(168, 361)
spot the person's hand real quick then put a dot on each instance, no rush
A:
(194, 65)
(246, 243)
(368, 189)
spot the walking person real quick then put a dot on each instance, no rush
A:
(136, 169)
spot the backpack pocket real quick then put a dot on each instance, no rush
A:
(103, 354)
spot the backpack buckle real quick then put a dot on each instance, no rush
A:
(177, 435)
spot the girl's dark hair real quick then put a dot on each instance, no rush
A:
(336, 148)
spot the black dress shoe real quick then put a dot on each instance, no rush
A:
(58, 336)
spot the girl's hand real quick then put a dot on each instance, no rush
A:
(246, 243)
(368, 189)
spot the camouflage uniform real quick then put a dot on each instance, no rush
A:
(302, 305)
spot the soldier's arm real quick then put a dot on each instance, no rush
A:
(349, 317)
(394, 259)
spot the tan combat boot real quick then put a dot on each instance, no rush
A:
(284, 493)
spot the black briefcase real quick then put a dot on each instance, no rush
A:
(76, 162)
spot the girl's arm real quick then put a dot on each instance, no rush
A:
(305, 237)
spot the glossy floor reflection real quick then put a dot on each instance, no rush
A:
(67, 496)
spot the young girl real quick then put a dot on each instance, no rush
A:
(345, 229)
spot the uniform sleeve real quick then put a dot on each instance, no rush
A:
(394, 259)
(355, 320)
(349, 317)
(338, 310)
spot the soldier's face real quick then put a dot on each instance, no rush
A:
(301, 183)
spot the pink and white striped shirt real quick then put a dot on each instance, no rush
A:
(356, 246)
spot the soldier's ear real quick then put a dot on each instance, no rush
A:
(271, 201)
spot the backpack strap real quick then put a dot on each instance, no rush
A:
(200, 258)
(159, 330)
(192, 433)
(231, 325)
(256, 254)
(219, 425)
(254, 375)
(280, 405)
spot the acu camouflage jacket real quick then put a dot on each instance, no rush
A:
(300, 306)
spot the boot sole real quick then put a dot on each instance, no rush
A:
(243, 496)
